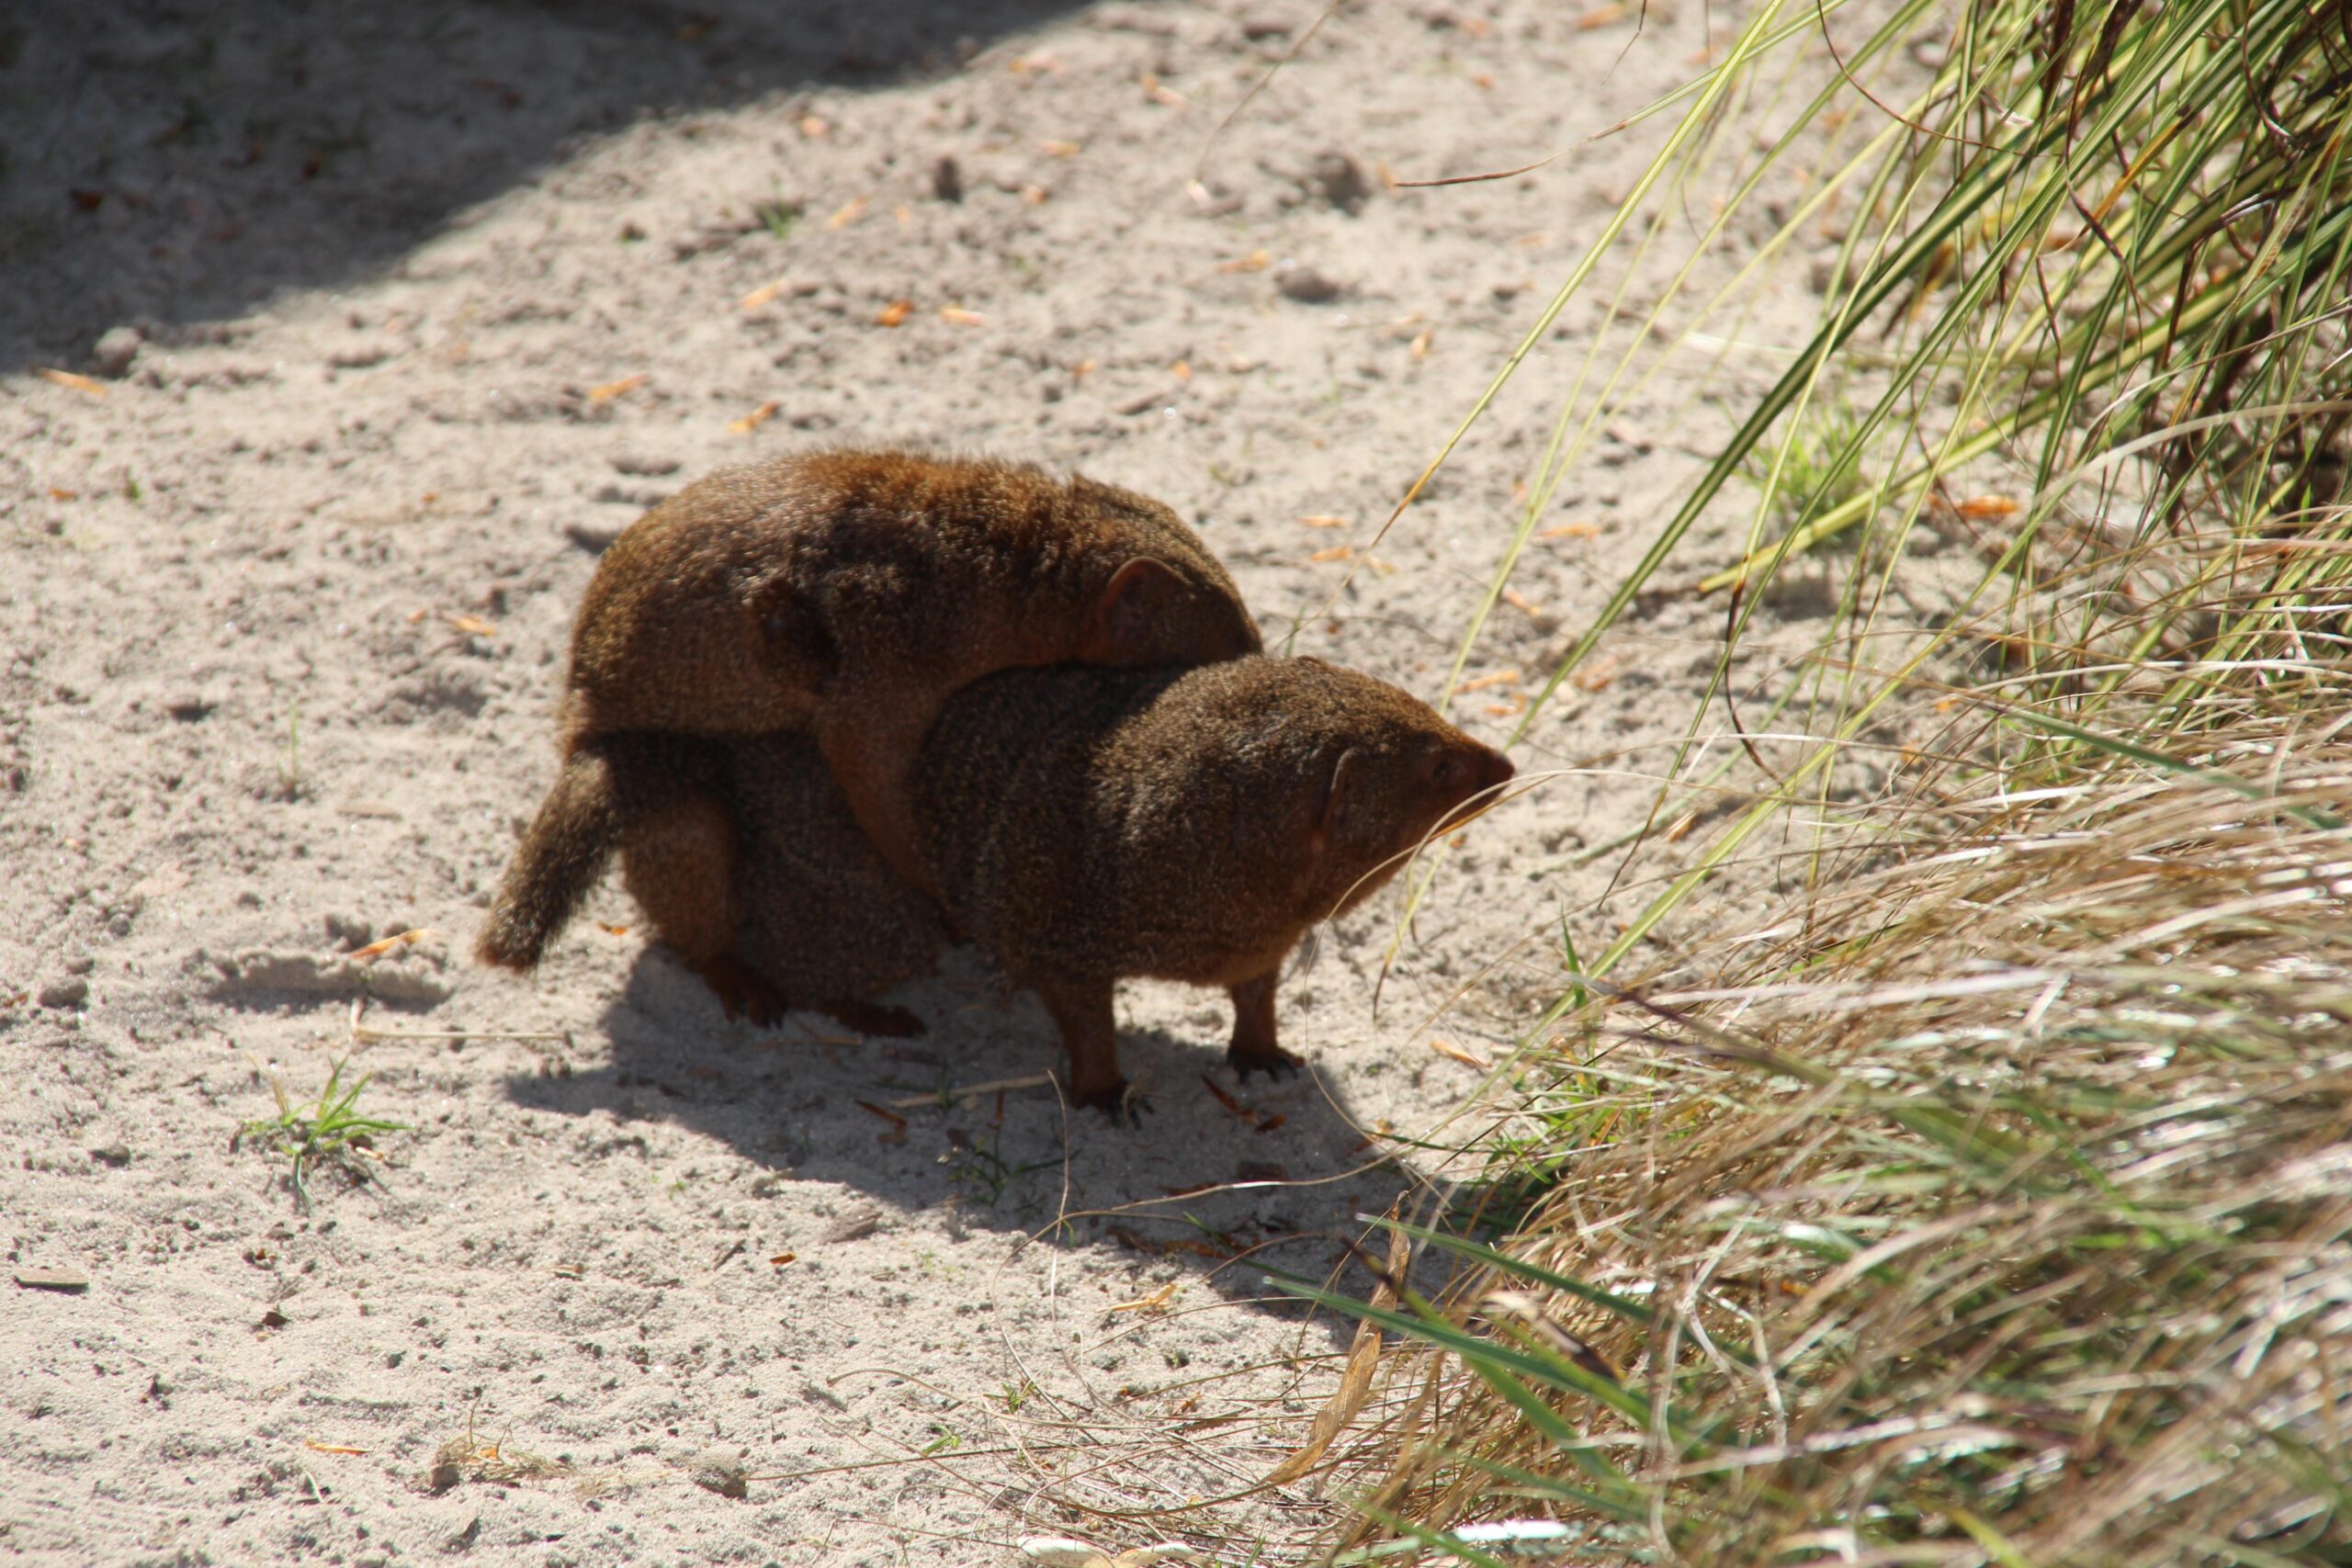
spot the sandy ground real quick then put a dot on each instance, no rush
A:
(419, 312)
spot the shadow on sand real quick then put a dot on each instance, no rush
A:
(1276, 1182)
(171, 165)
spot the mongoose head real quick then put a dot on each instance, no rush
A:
(1393, 774)
(1172, 602)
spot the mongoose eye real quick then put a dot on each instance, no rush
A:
(1445, 771)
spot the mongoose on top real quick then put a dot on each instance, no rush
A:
(845, 593)
(1084, 825)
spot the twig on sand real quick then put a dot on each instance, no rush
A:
(969, 1091)
(363, 1035)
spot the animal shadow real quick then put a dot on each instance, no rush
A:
(1228, 1178)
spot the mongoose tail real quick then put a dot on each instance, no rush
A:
(608, 784)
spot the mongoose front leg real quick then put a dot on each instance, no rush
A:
(1253, 1049)
(1091, 1034)
(869, 734)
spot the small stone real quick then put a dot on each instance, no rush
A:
(1338, 179)
(596, 538)
(1306, 286)
(946, 180)
(70, 992)
(350, 930)
(645, 464)
(1259, 26)
(188, 708)
(114, 352)
(855, 1225)
(52, 1279)
(116, 1154)
(80, 963)
(721, 1472)
(364, 353)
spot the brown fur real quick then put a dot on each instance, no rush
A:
(1085, 825)
(845, 593)
(769, 890)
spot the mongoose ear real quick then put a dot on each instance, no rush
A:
(1131, 603)
(1332, 802)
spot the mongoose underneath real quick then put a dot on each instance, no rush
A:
(764, 884)
(1083, 825)
(844, 594)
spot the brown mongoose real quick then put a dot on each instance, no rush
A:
(765, 885)
(1083, 825)
(846, 593)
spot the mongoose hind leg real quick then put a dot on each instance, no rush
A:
(1091, 1034)
(1253, 1049)
(679, 864)
(742, 991)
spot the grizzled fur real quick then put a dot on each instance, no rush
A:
(845, 593)
(1085, 825)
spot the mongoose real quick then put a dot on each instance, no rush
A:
(1083, 825)
(845, 593)
(765, 884)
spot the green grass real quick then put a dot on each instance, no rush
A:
(777, 217)
(329, 1134)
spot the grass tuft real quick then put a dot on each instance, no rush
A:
(329, 1134)
(2006, 1194)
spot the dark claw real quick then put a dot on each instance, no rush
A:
(1119, 1102)
(1275, 1063)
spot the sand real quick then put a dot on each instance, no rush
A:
(376, 329)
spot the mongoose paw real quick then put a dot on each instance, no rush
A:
(869, 1018)
(1270, 1060)
(745, 992)
(1119, 1102)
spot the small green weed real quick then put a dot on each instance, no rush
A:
(1817, 466)
(329, 1132)
(980, 1169)
(777, 217)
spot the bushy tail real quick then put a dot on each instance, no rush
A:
(608, 784)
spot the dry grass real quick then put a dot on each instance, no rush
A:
(1997, 1209)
